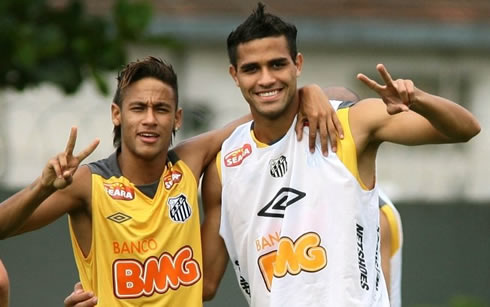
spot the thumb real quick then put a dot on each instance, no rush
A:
(78, 287)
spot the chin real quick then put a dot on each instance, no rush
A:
(273, 113)
(149, 153)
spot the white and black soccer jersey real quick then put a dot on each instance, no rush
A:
(396, 229)
(299, 228)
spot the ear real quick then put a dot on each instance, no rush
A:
(179, 114)
(116, 114)
(233, 72)
(299, 64)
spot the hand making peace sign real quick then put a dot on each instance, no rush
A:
(398, 95)
(58, 173)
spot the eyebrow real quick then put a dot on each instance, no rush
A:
(154, 104)
(280, 60)
(247, 66)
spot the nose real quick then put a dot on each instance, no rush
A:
(149, 118)
(266, 78)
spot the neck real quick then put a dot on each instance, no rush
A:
(141, 171)
(268, 130)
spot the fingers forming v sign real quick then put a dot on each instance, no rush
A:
(59, 171)
(398, 95)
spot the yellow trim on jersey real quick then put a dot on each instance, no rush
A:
(257, 142)
(394, 228)
(218, 165)
(346, 148)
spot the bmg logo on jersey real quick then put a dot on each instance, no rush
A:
(133, 279)
(292, 257)
(179, 209)
(119, 191)
(278, 167)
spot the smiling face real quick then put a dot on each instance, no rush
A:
(147, 117)
(266, 75)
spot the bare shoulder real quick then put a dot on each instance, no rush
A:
(189, 152)
(365, 115)
(185, 148)
(194, 153)
(369, 106)
(199, 150)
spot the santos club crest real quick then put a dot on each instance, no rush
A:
(278, 167)
(179, 209)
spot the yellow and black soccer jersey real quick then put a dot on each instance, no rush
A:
(146, 246)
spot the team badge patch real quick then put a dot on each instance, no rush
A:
(179, 209)
(119, 191)
(278, 167)
(172, 179)
(236, 157)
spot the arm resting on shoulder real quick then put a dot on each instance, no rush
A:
(198, 151)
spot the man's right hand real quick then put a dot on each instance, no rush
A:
(80, 298)
(58, 173)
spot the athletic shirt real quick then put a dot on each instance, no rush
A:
(299, 227)
(395, 224)
(146, 247)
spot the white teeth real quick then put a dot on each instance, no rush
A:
(147, 134)
(268, 94)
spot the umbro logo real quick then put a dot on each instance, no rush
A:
(283, 199)
(119, 217)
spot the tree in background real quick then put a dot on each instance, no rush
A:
(65, 45)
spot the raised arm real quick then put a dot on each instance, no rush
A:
(407, 115)
(51, 195)
(215, 256)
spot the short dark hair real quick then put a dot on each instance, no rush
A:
(149, 67)
(260, 25)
